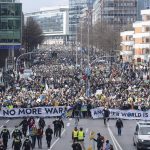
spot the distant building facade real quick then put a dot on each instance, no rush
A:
(54, 22)
(76, 9)
(138, 40)
(10, 29)
(118, 13)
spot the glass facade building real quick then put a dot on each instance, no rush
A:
(10, 24)
(54, 22)
(76, 8)
(119, 13)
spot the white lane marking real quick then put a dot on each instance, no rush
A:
(117, 142)
(115, 139)
(114, 143)
(7, 121)
(86, 131)
(1, 126)
(68, 124)
(57, 140)
(11, 131)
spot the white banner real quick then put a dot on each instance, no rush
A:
(124, 114)
(37, 111)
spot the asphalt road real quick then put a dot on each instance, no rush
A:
(123, 142)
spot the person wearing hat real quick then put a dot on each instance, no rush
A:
(17, 133)
(100, 141)
(48, 134)
(5, 135)
(27, 144)
(16, 144)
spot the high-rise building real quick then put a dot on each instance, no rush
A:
(10, 29)
(76, 8)
(118, 13)
(54, 21)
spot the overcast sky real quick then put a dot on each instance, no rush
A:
(34, 5)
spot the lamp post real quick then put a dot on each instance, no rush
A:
(76, 46)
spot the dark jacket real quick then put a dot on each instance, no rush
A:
(60, 124)
(27, 145)
(100, 141)
(106, 112)
(24, 124)
(5, 134)
(119, 123)
(76, 146)
(48, 133)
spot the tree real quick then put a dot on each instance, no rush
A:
(102, 36)
(32, 34)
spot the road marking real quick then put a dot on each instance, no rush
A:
(114, 143)
(117, 142)
(7, 121)
(113, 137)
(57, 140)
(86, 131)
(1, 126)
(68, 124)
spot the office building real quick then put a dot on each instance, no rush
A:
(127, 43)
(142, 37)
(76, 9)
(138, 40)
(54, 22)
(10, 29)
(118, 13)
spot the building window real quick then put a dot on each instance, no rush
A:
(147, 40)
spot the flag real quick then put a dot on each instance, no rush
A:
(46, 86)
(69, 112)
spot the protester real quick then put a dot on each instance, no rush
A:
(5, 135)
(48, 134)
(17, 133)
(24, 125)
(100, 141)
(16, 145)
(39, 136)
(27, 145)
(60, 126)
(119, 125)
(33, 134)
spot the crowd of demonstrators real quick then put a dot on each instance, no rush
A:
(122, 86)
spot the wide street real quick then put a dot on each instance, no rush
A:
(124, 142)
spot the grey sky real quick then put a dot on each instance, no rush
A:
(34, 5)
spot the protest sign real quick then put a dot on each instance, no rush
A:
(124, 114)
(37, 111)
